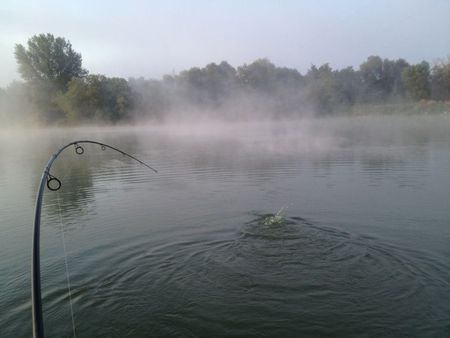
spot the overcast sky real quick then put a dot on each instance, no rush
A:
(152, 38)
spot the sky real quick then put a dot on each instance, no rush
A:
(153, 38)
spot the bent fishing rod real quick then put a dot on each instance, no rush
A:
(53, 184)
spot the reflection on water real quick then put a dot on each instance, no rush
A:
(323, 228)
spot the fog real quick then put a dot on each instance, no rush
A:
(302, 156)
(285, 137)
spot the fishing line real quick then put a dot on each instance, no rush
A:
(69, 289)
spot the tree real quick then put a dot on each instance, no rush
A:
(96, 97)
(220, 80)
(259, 75)
(416, 79)
(440, 80)
(349, 86)
(49, 60)
(204, 88)
(382, 79)
(322, 89)
(372, 76)
(396, 84)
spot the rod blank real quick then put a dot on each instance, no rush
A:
(46, 178)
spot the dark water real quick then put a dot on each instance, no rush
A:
(327, 228)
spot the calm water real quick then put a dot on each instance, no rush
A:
(322, 228)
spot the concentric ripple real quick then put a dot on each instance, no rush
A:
(292, 277)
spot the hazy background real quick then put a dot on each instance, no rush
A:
(143, 38)
(261, 221)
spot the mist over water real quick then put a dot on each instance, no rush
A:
(310, 227)
(302, 187)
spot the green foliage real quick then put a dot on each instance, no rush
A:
(206, 87)
(47, 65)
(440, 80)
(49, 60)
(416, 80)
(259, 75)
(332, 91)
(372, 78)
(96, 98)
(382, 79)
(322, 88)
(57, 88)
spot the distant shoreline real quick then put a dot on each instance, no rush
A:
(401, 110)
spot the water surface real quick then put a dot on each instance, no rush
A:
(334, 227)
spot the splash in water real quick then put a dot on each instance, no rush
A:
(277, 219)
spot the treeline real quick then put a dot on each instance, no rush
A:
(56, 89)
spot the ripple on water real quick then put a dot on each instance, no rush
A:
(281, 277)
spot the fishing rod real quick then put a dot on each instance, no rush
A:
(53, 184)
